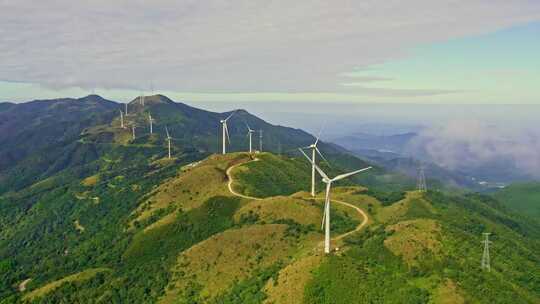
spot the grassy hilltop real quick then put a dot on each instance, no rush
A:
(118, 222)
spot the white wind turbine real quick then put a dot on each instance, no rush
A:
(133, 131)
(122, 120)
(225, 132)
(260, 140)
(169, 141)
(326, 215)
(314, 151)
(150, 120)
(250, 131)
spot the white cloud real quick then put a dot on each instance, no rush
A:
(468, 144)
(239, 46)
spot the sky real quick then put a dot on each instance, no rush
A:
(262, 52)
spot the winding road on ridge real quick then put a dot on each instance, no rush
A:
(339, 237)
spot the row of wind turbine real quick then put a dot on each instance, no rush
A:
(328, 181)
(227, 140)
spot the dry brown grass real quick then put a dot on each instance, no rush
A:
(282, 207)
(397, 210)
(231, 256)
(448, 293)
(77, 277)
(289, 288)
(190, 188)
(91, 180)
(412, 238)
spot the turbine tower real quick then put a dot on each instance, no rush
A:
(421, 182)
(126, 104)
(150, 120)
(326, 215)
(133, 131)
(485, 256)
(122, 120)
(260, 140)
(225, 131)
(169, 141)
(142, 99)
(250, 132)
(314, 151)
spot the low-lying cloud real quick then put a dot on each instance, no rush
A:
(470, 144)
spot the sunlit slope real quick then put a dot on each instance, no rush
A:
(269, 234)
(171, 231)
(426, 248)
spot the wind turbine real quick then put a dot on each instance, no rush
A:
(328, 181)
(126, 104)
(225, 132)
(250, 131)
(314, 151)
(122, 120)
(168, 140)
(142, 99)
(133, 131)
(260, 140)
(150, 119)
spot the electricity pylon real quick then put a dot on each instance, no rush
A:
(421, 182)
(485, 256)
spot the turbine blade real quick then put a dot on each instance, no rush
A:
(323, 216)
(322, 156)
(227, 132)
(342, 176)
(249, 129)
(167, 130)
(230, 116)
(319, 135)
(315, 165)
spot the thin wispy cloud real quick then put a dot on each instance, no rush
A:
(232, 46)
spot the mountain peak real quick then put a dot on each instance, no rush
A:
(153, 99)
(92, 97)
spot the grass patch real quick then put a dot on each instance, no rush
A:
(412, 239)
(78, 277)
(281, 208)
(220, 262)
(91, 180)
(271, 176)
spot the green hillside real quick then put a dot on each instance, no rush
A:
(208, 246)
(523, 198)
(129, 225)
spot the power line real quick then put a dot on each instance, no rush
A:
(485, 256)
(421, 182)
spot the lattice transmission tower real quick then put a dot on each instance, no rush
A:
(485, 256)
(421, 182)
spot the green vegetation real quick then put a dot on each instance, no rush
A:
(250, 291)
(366, 273)
(90, 215)
(272, 175)
(523, 198)
(378, 266)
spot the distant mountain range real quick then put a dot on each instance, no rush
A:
(404, 152)
(42, 137)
